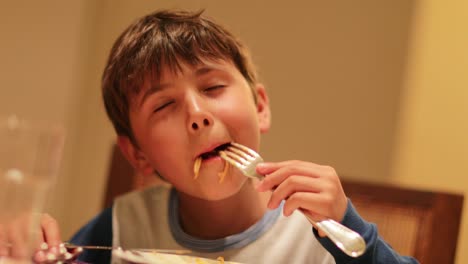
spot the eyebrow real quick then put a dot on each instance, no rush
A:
(205, 70)
(209, 68)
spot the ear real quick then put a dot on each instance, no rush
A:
(134, 155)
(263, 109)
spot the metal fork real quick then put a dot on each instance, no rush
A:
(246, 160)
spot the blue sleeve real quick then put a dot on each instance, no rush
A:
(98, 232)
(377, 250)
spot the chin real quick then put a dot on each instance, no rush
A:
(220, 191)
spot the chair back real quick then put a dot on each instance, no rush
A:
(422, 224)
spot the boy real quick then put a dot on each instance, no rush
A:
(178, 86)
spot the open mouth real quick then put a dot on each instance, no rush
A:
(214, 152)
(211, 154)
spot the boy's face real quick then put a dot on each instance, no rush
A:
(190, 113)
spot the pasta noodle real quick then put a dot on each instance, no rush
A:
(220, 260)
(224, 172)
(196, 167)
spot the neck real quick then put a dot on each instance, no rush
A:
(217, 219)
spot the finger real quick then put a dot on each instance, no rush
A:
(274, 179)
(50, 230)
(40, 250)
(40, 256)
(292, 185)
(316, 205)
(265, 168)
(17, 237)
(40, 242)
(309, 201)
(326, 202)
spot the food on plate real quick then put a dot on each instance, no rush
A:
(145, 257)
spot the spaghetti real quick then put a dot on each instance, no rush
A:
(222, 174)
(196, 167)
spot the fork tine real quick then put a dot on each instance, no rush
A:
(236, 157)
(233, 162)
(245, 149)
(239, 153)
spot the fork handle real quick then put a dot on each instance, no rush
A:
(349, 241)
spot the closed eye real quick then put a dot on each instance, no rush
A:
(160, 108)
(214, 88)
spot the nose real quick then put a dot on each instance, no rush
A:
(199, 117)
(198, 124)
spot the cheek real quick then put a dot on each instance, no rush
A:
(241, 114)
(242, 119)
(165, 145)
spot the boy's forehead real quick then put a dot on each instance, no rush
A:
(168, 74)
(155, 80)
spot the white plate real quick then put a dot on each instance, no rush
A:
(143, 257)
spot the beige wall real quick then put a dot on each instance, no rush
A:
(41, 68)
(371, 89)
(432, 139)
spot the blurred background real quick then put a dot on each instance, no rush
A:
(378, 90)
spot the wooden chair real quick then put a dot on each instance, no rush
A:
(423, 224)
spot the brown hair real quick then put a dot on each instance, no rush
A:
(164, 39)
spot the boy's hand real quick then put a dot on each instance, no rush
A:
(314, 188)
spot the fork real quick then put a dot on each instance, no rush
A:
(246, 160)
(63, 255)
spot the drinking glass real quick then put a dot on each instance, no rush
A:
(30, 154)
